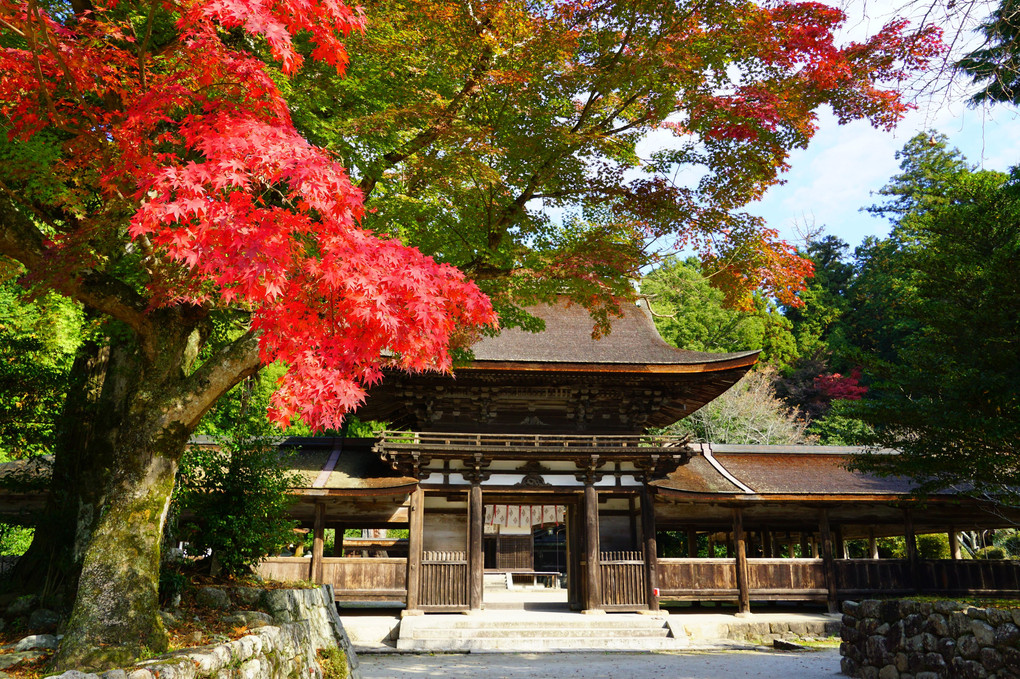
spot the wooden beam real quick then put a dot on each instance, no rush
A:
(648, 532)
(416, 526)
(318, 541)
(829, 566)
(911, 540)
(593, 575)
(743, 589)
(476, 564)
(954, 544)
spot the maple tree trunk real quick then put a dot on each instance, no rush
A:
(148, 410)
(78, 487)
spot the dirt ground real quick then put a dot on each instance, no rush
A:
(693, 665)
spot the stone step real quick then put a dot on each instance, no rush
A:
(538, 645)
(593, 623)
(539, 633)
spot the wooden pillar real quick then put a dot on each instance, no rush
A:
(711, 545)
(338, 539)
(476, 563)
(743, 589)
(911, 544)
(318, 541)
(872, 543)
(805, 545)
(692, 543)
(729, 546)
(651, 558)
(636, 538)
(416, 524)
(829, 566)
(814, 547)
(840, 550)
(593, 579)
(954, 544)
(575, 556)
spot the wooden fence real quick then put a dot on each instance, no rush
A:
(623, 579)
(286, 568)
(689, 579)
(444, 580)
(361, 579)
(786, 579)
(804, 579)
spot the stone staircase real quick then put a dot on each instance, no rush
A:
(520, 632)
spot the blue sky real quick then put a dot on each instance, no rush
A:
(830, 181)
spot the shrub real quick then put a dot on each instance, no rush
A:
(233, 499)
(933, 546)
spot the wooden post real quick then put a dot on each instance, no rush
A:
(830, 567)
(872, 543)
(911, 540)
(636, 539)
(954, 544)
(574, 558)
(318, 541)
(766, 542)
(476, 571)
(416, 525)
(338, 539)
(593, 575)
(648, 532)
(743, 590)
(692, 543)
(840, 550)
(711, 545)
(814, 547)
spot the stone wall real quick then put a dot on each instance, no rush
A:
(906, 639)
(303, 622)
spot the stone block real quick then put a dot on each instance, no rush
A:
(913, 624)
(929, 642)
(947, 607)
(975, 613)
(900, 660)
(960, 668)
(830, 628)
(983, 632)
(876, 652)
(43, 641)
(890, 610)
(914, 644)
(997, 616)
(926, 675)
(883, 629)
(991, 659)
(1007, 634)
(925, 608)
(967, 646)
(870, 608)
(1011, 659)
(212, 597)
(946, 648)
(869, 672)
(915, 662)
(935, 662)
(959, 624)
(44, 619)
(908, 607)
(850, 635)
(889, 672)
(848, 667)
(1015, 614)
(248, 597)
(937, 624)
(851, 608)
(21, 606)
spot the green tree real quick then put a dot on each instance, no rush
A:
(691, 314)
(748, 413)
(233, 498)
(995, 66)
(948, 397)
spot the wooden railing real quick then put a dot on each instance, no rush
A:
(804, 579)
(623, 579)
(786, 578)
(697, 578)
(444, 441)
(286, 568)
(371, 579)
(444, 581)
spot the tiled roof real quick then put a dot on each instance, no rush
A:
(567, 339)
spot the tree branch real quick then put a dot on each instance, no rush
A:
(214, 378)
(22, 241)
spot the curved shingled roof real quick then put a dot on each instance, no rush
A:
(567, 339)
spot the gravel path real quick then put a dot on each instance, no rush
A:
(724, 665)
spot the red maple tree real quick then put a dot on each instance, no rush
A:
(156, 176)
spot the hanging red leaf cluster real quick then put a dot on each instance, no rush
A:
(169, 121)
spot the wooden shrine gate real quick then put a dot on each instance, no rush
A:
(444, 581)
(623, 580)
